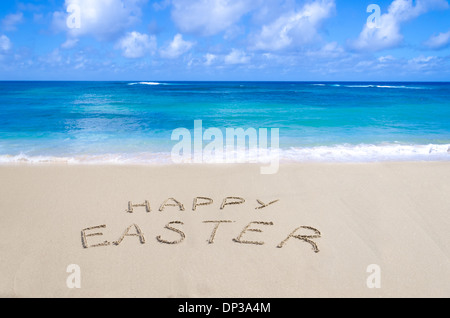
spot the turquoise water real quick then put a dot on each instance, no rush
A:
(133, 122)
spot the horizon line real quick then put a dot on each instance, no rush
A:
(227, 81)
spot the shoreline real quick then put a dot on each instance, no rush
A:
(394, 215)
(217, 165)
(346, 153)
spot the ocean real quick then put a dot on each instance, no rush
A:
(132, 122)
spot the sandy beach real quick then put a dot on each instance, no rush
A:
(312, 230)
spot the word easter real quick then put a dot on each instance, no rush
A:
(251, 227)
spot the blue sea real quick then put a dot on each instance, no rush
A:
(132, 122)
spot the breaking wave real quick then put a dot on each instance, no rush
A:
(339, 153)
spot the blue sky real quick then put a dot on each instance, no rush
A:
(292, 40)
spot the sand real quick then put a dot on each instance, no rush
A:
(332, 221)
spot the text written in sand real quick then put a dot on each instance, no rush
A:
(174, 229)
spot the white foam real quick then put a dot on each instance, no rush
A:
(372, 86)
(384, 86)
(402, 87)
(360, 86)
(369, 153)
(148, 83)
(104, 159)
(339, 153)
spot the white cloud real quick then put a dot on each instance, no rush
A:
(137, 45)
(424, 63)
(440, 41)
(294, 28)
(388, 34)
(103, 19)
(386, 58)
(10, 22)
(209, 17)
(161, 5)
(30, 6)
(237, 57)
(330, 50)
(422, 59)
(70, 43)
(176, 48)
(209, 59)
(5, 43)
(54, 58)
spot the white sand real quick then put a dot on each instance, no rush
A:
(395, 215)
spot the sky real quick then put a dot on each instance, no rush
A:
(225, 40)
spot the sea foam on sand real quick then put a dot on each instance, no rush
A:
(340, 153)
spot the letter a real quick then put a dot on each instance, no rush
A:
(374, 279)
(74, 20)
(74, 279)
(373, 21)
